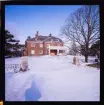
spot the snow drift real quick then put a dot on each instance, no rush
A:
(53, 79)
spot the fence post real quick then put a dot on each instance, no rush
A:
(24, 64)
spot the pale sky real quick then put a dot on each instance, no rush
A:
(24, 20)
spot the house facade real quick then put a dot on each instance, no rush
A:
(43, 45)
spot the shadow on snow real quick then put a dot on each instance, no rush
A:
(32, 94)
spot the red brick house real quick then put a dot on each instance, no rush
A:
(43, 45)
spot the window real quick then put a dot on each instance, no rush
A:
(57, 40)
(41, 52)
(41, 45)
(60, 51)
(48, 45)
(32, 45)
(51, 40)
(32, 52)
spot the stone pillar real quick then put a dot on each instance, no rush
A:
(57, 51)
(49, 49)
(64, 52)
(24, 64)
(75, 60)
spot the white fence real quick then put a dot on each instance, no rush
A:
(12, 67)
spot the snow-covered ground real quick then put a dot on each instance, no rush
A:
(53, 78)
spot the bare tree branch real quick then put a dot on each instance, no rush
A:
(83, 26)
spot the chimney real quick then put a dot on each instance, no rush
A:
(37, 34)
(50, 34)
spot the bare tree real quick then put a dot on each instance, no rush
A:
(74, 48)
(83, 26)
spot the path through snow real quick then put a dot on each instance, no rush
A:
(53, 79)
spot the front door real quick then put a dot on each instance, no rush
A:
(53, 52)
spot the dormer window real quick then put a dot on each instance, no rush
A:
(51, 40)
(57, 40)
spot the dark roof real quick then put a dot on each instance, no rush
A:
(31, 39)
(41, 38)
(52, 38)
(45, 38)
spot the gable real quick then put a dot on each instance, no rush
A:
(53, 39)
(46, 39)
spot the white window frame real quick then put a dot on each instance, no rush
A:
(41, 52)
(32, 52)
(41, 45)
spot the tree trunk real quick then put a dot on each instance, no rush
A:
(86, 54)
(86, 58)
